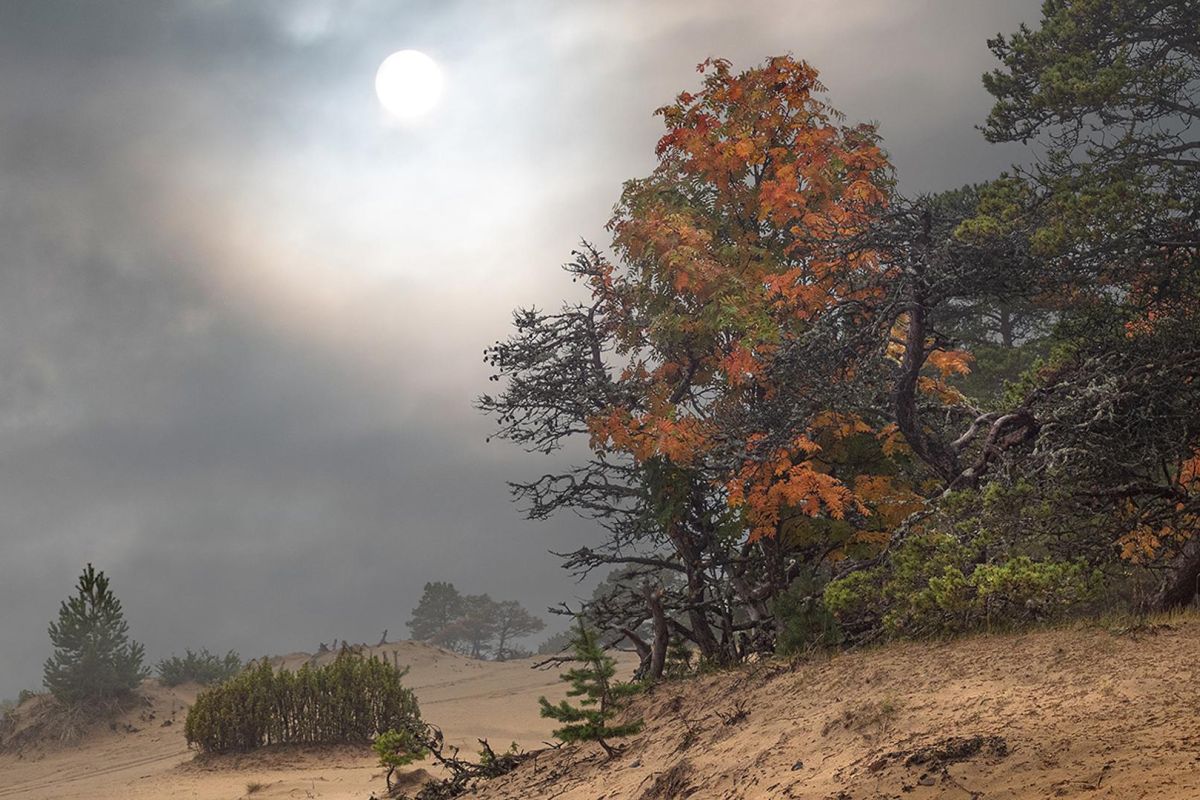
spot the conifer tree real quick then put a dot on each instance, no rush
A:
(475, 626)
(440, 605)
(513, 621)
(602, 698)
(396, 749)
(94, 659)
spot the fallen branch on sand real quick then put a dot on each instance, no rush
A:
(464, 774)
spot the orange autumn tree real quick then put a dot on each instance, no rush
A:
(733, 245)
(737, 251)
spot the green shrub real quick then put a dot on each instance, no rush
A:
(935, 585)
(203, 668)
(680, 660)
(802, 620)
(350, 700)
(9, 714)
(556, 643)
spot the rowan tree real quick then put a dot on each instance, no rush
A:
(730, 248)
(765, 372)
(726, 251)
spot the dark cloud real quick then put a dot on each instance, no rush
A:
(241, 314)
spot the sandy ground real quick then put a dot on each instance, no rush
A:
(1084, 713)
(149, 758)
(1089, 712)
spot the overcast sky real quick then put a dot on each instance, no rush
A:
(242, 312)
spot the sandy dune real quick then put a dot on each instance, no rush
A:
(1081, 713)
(1087, 713)
(467, 698)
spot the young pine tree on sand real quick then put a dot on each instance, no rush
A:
(397, 748)
(94, 660)
(601, 697)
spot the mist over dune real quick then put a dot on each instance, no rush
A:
(243, 315)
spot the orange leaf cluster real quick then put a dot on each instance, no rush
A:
(890, 501)
(1143, 543)
(646, 436)
(790, 483)
(951, 362)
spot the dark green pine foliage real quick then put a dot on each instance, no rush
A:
(601, 697)
(203, 667)
(351, 700)
(441, 604)
(94, 659)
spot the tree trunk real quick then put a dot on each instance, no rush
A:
(643, 650)
(928, 448)
(1182, 586)
(1006, 328)
(701, 632)
(658, 648)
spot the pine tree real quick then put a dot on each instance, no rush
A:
(602, 698)
(513, 621)
(474, 628)
(440, 605)
(397, 748)
(94, 659)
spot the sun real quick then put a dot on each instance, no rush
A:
(409, 84)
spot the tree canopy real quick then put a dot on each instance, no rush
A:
(789, 374)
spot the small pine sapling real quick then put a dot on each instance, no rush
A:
(601, 697)
(397, 748)
(679, 659)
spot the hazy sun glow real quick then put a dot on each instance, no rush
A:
(409, 84)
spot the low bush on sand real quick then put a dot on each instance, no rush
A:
(203, 667)
(350, 700)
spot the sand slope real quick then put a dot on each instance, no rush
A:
(1068, 713)
(149, 758)
(1082, 713)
